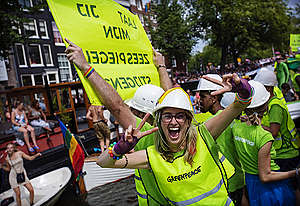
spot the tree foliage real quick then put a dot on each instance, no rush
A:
(237, 25)
(10, 21)
(172, 33)
(209, 54)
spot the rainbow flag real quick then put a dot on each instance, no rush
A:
(76, 153)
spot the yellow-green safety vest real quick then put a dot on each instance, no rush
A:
(183, 184)
(279, 95)
(295, 139)
(293, 78)
(140, 189)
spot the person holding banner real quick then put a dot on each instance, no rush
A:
(184, 159)
(129, 116)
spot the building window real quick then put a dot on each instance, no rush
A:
(37, 2)
(57, 37)
(35, 55)
(64, 67)
(21, 55)
(47, 53)
(139, 4)
(25, 3)
(43, 29)
(27, 80)
(38, 80)
(31, 29)
(52, 78)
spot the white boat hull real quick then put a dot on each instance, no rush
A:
(47, 188)
(97, 176)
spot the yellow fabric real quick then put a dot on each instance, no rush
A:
(202, 117)
(142, 194)
(179, 181)
(113, 41)
(294, 42)
(226, 167)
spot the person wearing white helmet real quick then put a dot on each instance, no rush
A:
(266, 185)
(141, 102)
(212, 103)
(278, 121)
(208, 102)
(183, 159)
(268, 78)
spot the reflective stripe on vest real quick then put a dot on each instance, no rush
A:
(222, 158)
(201, 197)
(179, 182)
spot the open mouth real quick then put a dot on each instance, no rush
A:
(174, 132)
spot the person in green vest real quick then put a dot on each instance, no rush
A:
(266, 184)
(282, 72)
(295, 77)
(129, 113)
(279, 123)
(212, 103)
(183, 159)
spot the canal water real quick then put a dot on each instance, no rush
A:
(118, 193)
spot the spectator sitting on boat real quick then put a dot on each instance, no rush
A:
(183, 159)
(38, 117)
(14, 165)
(95, 114)
(20, 124)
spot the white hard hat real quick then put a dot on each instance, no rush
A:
(145, 98)
(207, 85)
(227, 99)
(260, 94)
(266, 77)
(175, 98)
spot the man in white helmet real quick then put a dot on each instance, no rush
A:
(212, 103)
(143, 101)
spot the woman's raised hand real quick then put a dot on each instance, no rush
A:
(229, 82)
(75, 55)
(131, 137)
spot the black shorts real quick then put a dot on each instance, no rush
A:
(288, 165)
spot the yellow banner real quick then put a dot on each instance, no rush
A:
(295, 42)
(113, 41)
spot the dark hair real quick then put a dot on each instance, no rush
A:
(285, 86)
(34, 102)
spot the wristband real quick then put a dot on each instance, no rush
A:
(111, 154)
(126, 161)
(162, 66)
(89, 72)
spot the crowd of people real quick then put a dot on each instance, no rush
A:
(241, 149)
(229, 142)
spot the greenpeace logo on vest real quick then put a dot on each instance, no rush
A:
(244, 140)
(184, 176)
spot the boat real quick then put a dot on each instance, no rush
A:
(47, 188)
(97, 176)
(294, 109)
